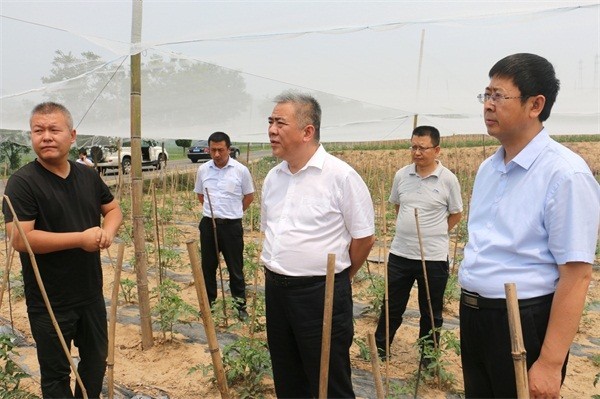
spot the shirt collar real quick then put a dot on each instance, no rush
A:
(316, 161)
(412, 169)
(527, 156)
(228, 164)
(532, 150)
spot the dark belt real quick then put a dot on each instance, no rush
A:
(295, 281)
(225, 221)
(475, 301)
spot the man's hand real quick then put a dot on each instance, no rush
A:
(544, 381)
(95, 238)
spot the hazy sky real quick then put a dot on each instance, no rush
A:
(285, 44)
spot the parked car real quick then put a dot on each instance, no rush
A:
(107, 157)
(199, 150)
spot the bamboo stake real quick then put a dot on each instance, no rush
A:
(254, 299)
(519, 353)
(386, 294)
(456, 235)
(161, 272)
(110, 362)
(209, 327)
(38, 278)
(214, 225)
(137, 183)
(9, 259)
(326, 337)
(375, 366)
(435, 343)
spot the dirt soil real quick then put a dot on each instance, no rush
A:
(163, 371)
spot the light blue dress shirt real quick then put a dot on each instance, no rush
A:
(540, 210)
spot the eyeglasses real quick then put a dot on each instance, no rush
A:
(416, 148)
(495, 97)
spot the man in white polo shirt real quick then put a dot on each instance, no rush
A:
(231, 191)
(434, 190)
(313, 204)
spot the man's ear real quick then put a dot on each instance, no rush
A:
(73, 136)
(309, 133)
(537, 105)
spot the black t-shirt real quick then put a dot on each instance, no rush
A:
(71, 277)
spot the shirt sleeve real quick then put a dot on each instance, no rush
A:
(247, 183)
(455, 204)
(357, 207)
(198, 187)
(394, 197)
(22, 200)
(572, 218)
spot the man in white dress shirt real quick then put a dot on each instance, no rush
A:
(231, 190)
(313, 204)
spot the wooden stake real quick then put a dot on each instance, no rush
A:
(375, 366)
(209, 327)
(386, 296)
(435, 343)
(9, 259)
(519, 353)
(38, 278)
(254, 299)
(326, 337)
(214, 225)
(110, 361)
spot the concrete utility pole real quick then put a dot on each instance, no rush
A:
(416, 117)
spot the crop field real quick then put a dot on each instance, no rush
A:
(178, 365)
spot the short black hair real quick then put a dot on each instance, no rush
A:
(50, 107)
(83, 151)
(428, 131)
(217, 137)
(533, 75)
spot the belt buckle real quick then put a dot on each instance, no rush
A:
(470, 300)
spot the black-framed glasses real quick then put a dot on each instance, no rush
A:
(495, 97)
(416, 148)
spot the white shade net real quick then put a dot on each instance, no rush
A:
(213, 66)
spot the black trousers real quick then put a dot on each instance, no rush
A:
(402, 273)
(294, 333)
(85, 327)
(230, 238)
(487, 363)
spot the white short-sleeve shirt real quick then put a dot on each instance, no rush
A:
(227, 187)
(314, 212)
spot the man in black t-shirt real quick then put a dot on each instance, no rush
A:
(60, 204)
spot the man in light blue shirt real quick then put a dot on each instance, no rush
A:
(533, 221)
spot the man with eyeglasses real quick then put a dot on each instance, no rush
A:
(533, 221)
(434, 190)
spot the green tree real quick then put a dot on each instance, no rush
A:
(87, 82)
(11, 153)
(177, 93)
(183, 143)
(182, 92)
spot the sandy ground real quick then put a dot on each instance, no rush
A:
(164, 369)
